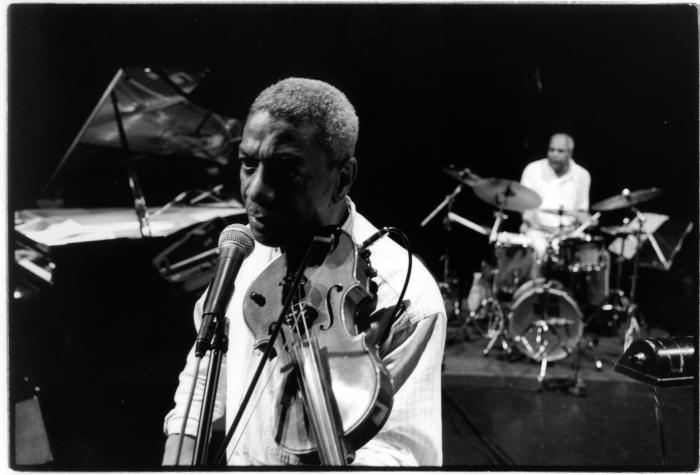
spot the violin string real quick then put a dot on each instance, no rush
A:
(301, 306)
(298, 310)
(253, 407)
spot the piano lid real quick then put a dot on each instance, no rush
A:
(156, 116)
(61, 226)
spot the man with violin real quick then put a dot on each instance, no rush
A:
(298, 165)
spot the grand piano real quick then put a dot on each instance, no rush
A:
(144, 129)
(108, 265)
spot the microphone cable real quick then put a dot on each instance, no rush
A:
(407, 245)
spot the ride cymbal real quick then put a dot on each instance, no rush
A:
(626, 199)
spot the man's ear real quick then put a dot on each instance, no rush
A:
(346, 177)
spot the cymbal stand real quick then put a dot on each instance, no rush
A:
(491, 306)
(499, 217)
(635, 318)
(446, 225)
(448, 202)
(493, 311)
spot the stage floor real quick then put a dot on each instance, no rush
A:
(495, 415)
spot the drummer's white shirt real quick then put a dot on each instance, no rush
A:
(569, 191)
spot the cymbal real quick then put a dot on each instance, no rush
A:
(626, 199)
(464, 175)
(619, 230)
(580, 215)
(506, 194)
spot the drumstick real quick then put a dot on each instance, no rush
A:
(586, 224)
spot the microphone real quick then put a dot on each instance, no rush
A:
(235, 244)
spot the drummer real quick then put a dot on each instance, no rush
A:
(563, 186)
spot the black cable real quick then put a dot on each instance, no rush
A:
(499, 453)
(407, 245)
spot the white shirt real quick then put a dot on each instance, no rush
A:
(411, 436)
(569, 191)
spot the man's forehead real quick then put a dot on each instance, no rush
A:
(559, 141)
(263, 126)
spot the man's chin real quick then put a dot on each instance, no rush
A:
(266, 236)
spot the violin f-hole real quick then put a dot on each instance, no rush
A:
(337, 288)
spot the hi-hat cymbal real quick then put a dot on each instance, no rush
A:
(580, 215)
(618, 230)
(626, 199)
(506, 194)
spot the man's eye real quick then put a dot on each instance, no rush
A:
(248, 163)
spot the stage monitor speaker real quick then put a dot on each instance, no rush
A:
(661, 362)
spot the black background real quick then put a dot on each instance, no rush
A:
(482, 86)
(479, 86)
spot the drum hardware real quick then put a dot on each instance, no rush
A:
(454, 217)
(618, 305)
(502, 193)
(515, 264)
(496, 329)
(547, 326)
(447, 202)
(488, 317)
(506, 195)
(581, 215)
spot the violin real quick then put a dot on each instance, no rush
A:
(338, 392)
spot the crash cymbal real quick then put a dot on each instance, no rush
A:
(580, 215)
(464, 175)
(626, 199)
(506, 194)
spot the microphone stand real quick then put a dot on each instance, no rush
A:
(220, 457)
(219, 347)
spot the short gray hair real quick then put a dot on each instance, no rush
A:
(310, 101)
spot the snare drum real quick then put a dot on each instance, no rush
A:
(584, 254)
(515, 261)
(545, 322)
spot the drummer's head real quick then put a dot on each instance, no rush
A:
(297, 158)
(561, 148)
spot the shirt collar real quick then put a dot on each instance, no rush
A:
(350, 220)
(569, 172)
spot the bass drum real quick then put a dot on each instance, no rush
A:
(545, 322)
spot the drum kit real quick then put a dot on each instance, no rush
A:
(538, 304)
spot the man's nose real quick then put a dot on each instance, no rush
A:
(259, 190)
